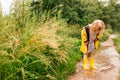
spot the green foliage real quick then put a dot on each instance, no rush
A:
(117, 41)
(75, 31)
(111, 15)
(106, 34)
(74, 56)
(74, 11)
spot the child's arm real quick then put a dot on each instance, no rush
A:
(84, 36)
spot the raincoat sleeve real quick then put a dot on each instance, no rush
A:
(83, 35)
(83, 47)
(98, 36)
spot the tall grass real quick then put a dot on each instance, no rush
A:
(117, 41)
(38, 51)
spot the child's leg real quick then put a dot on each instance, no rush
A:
(85, 55)
(85, 61)
(92, 61)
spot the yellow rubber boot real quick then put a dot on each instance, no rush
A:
(85, 64)
(92, 63)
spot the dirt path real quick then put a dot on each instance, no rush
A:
(107, 61)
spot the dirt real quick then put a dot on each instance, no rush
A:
(107, 61)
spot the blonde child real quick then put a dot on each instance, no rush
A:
(91, 35)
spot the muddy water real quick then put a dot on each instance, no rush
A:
(107, 61)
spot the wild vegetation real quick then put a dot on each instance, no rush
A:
(117, 41)
(40, 39)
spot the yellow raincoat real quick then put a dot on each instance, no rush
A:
(83, 47)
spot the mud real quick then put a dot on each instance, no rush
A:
(107, 61)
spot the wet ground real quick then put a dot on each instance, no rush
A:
(107, 61)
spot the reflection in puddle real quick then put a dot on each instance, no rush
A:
(91, 71)
(88, 73)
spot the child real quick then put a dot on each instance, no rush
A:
(91, 35)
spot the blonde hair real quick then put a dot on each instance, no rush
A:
(98, 25)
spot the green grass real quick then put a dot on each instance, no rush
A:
(117, 41)
(38, 51)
